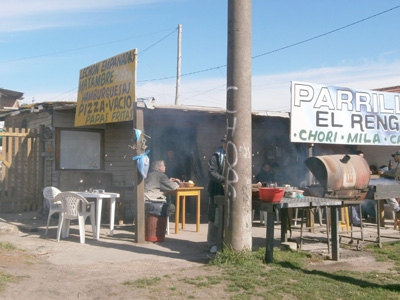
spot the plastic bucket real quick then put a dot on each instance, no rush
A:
(271, 194)
(155, 228)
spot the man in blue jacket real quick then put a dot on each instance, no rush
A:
(217, 179)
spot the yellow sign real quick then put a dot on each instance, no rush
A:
(107, 90)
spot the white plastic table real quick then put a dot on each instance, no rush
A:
(99, 203)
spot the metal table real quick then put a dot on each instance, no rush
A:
(380, 193)
(306, 202)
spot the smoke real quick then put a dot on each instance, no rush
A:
(383, 181)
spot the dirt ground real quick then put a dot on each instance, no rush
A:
(108, 268)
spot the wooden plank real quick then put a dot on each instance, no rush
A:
(22, 153)
(10, 132)
(30, 176)
(4, 170)
(139, 182)
(19, 188)
(39, 147)
(15, 166)
(9, 159)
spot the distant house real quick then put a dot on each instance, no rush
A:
(9, 99)
(393, 89)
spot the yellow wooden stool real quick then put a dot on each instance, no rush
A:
(344, 222)
(396, 221)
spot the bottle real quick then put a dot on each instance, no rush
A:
(390, 164)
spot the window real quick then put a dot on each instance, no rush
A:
(79, 149)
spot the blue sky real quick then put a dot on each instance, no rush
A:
(44, 44)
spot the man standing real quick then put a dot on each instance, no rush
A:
(217, 178)
(393, 173)
(173, 165)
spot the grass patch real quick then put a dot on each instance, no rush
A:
(12, 255)
(143, 282)
(389, 252)
(7, 246)
(240, 275)
(4, 279)
(248, 276)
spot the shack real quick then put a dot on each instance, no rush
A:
(100, 156)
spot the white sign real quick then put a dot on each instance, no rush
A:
(336, 115)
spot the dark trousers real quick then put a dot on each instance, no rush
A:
(159, 208)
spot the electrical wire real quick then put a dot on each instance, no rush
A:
(326, 33)
(221, 66)
(151, 46)
(282, 48)
(90, 46)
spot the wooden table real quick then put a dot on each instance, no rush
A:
(186, 192)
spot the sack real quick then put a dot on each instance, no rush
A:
(143, 163)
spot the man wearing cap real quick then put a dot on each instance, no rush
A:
(393, 173)
(217, 178)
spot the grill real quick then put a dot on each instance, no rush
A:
(383, 188)
(343, 177)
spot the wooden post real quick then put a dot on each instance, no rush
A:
(310, 220)
(178, 68)
(138, 180)
(335, 233)
(42, 166)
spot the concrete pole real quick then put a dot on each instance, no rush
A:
(238, 213)
(178, 69)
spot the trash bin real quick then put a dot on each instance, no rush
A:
(155, 228)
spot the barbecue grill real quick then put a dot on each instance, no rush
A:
(347, 178)
(343, 177)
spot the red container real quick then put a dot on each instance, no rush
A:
(155, 228)
(271, 194)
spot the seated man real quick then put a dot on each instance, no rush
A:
(265, 175)
(155, 184)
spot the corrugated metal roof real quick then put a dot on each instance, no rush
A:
(36, 107)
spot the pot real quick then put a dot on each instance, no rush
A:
(290, 194)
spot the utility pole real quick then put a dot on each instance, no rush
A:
(178, 69)
(238, 227)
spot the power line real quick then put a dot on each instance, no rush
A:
(327, 33)
(87, 47)
(221, 66)
(141, 53)
(151, 46)
(285, 47)
(186, 74)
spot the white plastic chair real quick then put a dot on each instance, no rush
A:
(147, 197)
(74, 207)
(49, 193)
